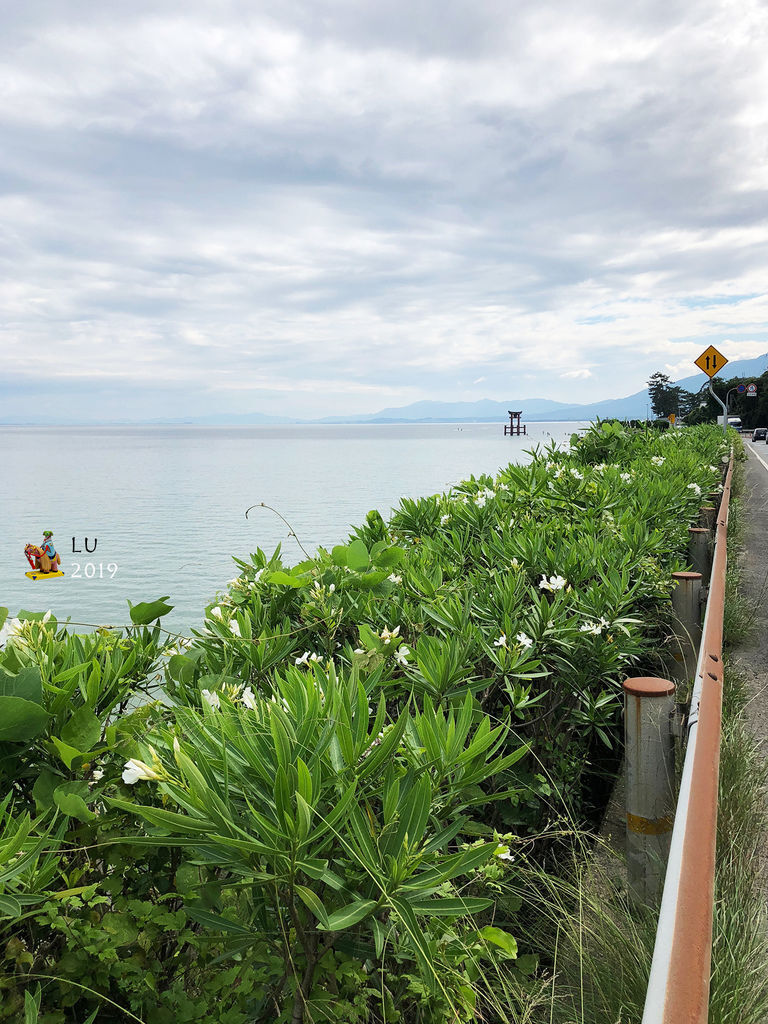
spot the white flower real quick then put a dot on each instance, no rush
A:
(216, 612)
(283, 701)
(316, 585)
(514, 563)
(98, 775)
(303, 660)
(257, 575)
(657, 460)
(359, 650)
(401, 655)
(576, 474)
(626, 477)
(135, 770)
(394, 578)
(314, 657)
(176, 745)
(501, 641)
(47, 615)
(248, 698)
(590, 627)
(388, 636)
(696, 489)
(445, 519)
(235, 628)
(553, 583)
(480, 501)
(331, 588)
(502, 852)
(524, 640)
(211, 698)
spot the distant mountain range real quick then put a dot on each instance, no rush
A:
(484, 411)
(543, 409)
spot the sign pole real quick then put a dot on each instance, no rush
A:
(724, 408)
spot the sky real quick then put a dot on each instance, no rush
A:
(337, 206)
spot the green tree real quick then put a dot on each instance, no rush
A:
(667, 398)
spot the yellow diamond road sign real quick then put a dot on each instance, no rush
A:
(711, 361)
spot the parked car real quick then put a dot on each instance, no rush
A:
(760, 434)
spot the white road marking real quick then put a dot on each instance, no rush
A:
(760, 457)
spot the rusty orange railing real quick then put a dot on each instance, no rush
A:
(678, 987)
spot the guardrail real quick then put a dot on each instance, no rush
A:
(678, 987)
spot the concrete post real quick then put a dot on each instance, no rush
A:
(649, 705)
(686, 626)
(699, 552)
(708, 517)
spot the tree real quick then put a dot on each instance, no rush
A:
(667, 398)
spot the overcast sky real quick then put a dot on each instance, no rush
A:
(336, 206)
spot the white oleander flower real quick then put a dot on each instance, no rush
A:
(626, 477)
(216, 612)
(502, 852)
(657, 460)
(524, 640)
(393, 578)
(401, 656)
(47, 615)
(388, 636)
(332, 588)
(248, 698)
(514, 563)
(234, 627)
(359, 650)
(553, 583)
(211, 698)
(98, 775)
(303, 660)
(135, 771)
(696, 489)
(500, 641)
(445, 519)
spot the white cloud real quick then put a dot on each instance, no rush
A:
(354, 204)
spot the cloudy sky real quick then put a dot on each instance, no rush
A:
(334, 206)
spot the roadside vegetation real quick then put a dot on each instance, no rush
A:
(364, 770)
(604, 942)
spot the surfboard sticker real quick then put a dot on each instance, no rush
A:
(37, 575)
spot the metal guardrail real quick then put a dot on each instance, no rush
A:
(678, 987)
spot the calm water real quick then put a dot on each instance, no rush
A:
(166, 505)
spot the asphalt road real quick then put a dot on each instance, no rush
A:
(752, 654)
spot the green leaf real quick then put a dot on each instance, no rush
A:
(499, 938)
(339, 555)
(31, 1008)
(451, 907)
(527, 963)
(357, 556)
(21, 719)
(70, 798)
(83, 730)
(67, 754)
(285, 580)
(26, 684)
(43, 789)
(313, 903)
(147, 611)
(349, 915)
(9, 906)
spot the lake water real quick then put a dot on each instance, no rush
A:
(166, 505)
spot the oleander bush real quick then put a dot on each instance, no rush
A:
(317, 815)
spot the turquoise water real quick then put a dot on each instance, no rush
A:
(166, 505)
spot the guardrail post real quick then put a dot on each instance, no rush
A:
(649, 705)
(686, 625)
(699, 553)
